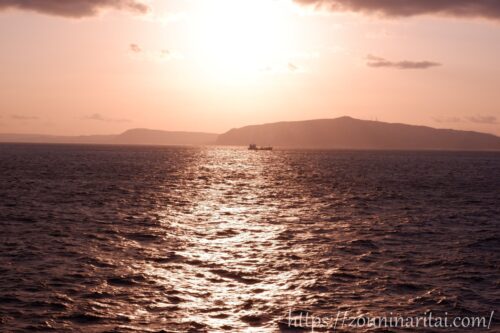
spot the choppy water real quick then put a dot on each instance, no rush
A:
(145, 239)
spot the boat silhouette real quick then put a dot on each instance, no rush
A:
(253, 146)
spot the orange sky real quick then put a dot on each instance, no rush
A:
(211, 65)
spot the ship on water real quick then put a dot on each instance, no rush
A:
(253, 146)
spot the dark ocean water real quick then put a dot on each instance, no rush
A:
(151, 239)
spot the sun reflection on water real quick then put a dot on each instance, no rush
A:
(225, 274)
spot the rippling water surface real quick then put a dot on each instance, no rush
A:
(151, 239)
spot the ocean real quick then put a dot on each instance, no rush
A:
(216, 239)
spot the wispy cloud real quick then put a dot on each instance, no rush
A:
(135, 48)
(458, 8)
(160, 56)
(282, 68)
(490, 120)
(74, 8)
(99, 117)
(447, 120)
(22, 117)
(378, 62)
(478, 119)
(292, 67)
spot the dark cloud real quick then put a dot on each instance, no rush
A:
(99, 117)
(73, 8)
(378, 62)
(135, 48)
(22, 117)
(463, 8)
(483, 119)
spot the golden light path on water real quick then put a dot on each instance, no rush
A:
(230, 238)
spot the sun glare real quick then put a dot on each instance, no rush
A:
(235, 38)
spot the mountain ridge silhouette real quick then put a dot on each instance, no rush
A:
(337, 133)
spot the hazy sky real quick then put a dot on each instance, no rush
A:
(104, 66)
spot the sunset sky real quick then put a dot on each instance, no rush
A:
(103, 66)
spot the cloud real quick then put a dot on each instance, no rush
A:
(459, 8)
(292, 67)
(378, 62)
(491, 120)
(447, 119)
(22, 117)
(99, 117)
(163, 55)
(282, 68)
(135, 48)
(74, 8)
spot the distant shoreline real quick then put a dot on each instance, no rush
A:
(244, 148)
(344, 133)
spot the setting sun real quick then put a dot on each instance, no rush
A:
(238, 38)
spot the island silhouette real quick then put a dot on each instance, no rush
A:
(338, 133)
